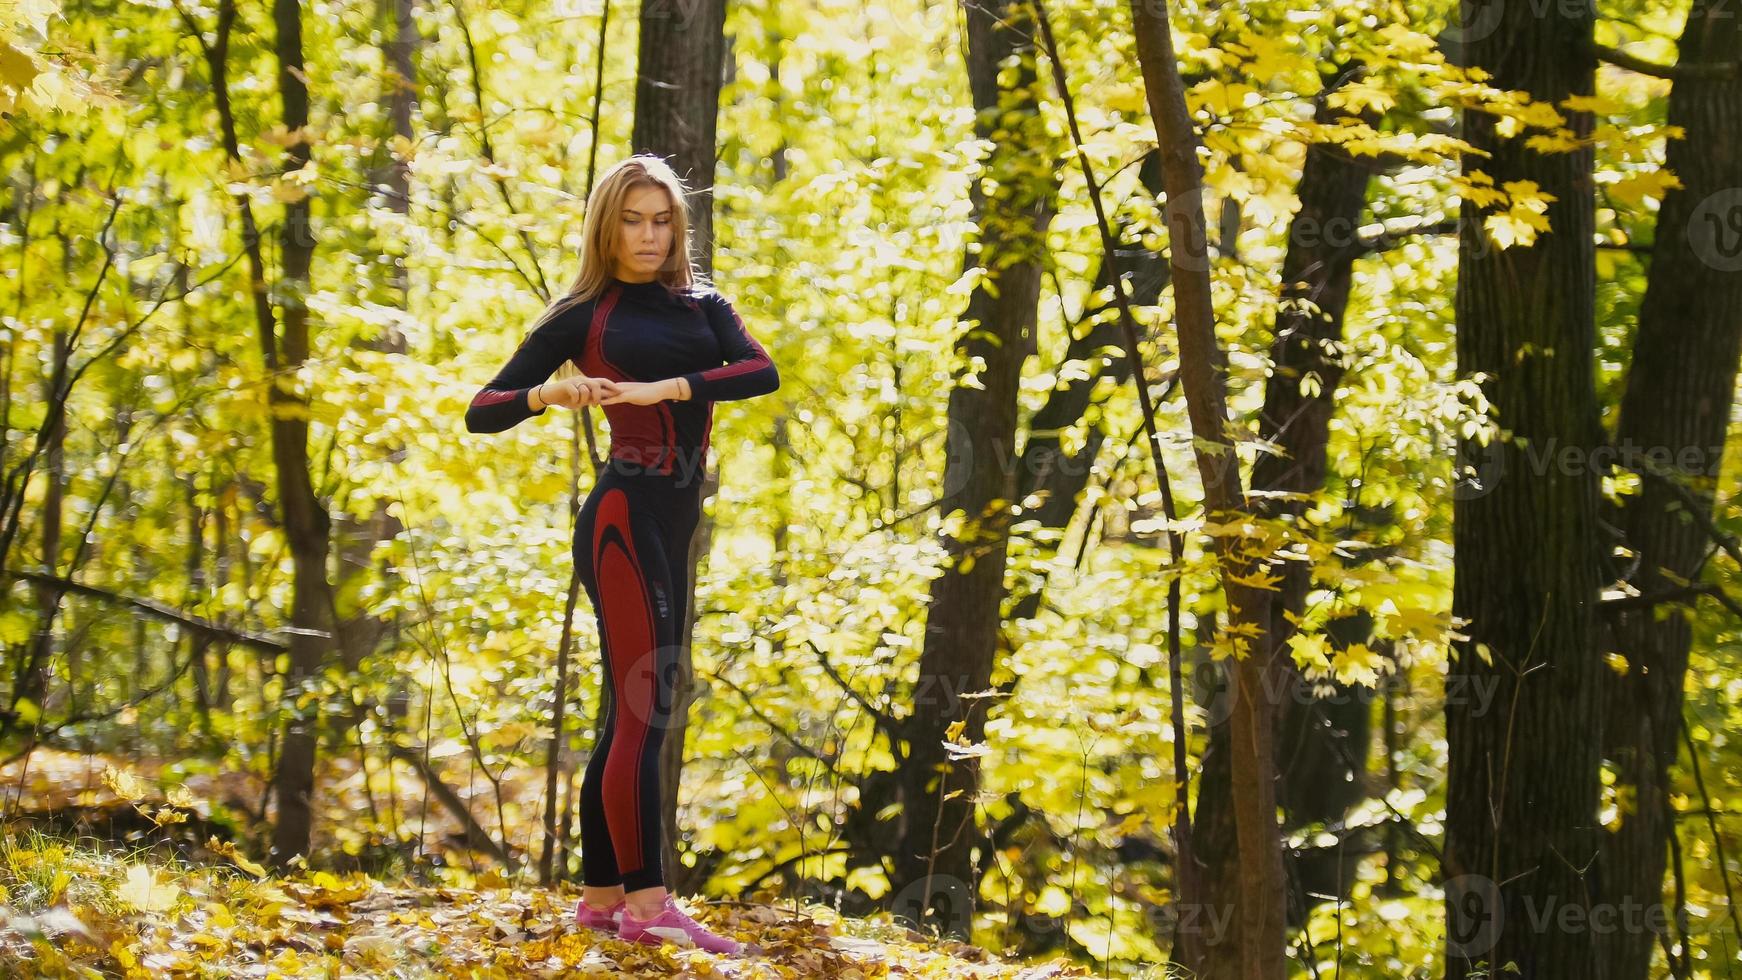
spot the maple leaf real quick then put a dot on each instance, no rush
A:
(144, 892)
(1257, 579)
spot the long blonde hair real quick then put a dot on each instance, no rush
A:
(600, 233)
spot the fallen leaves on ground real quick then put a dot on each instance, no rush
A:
(77, 913)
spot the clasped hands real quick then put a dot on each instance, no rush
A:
(581, 391)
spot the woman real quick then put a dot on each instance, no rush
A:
(640, 335)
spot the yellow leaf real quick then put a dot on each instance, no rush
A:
(17, 68)
(123, 784)
(1505, 231)
(1360, 96)
(1541, 115)
(1634, 188)
(286, 192)
(1309, 651)
(144, 892)
(1600, 104)
(168, 815)
(1357, 664)
(1527, 195)
(1257, 580)
(1559, 141)
(229, 850)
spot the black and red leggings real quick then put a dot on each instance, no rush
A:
(631, 547)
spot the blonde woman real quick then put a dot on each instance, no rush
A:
(641, 336)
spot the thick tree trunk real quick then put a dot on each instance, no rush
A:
(1521, 836)
(677, 107)
(933, 865)
(1671, 430)
(1203, 374)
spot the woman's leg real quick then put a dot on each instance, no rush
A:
(678, 514)
(639, 615)
(602, 882)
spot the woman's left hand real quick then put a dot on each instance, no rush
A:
(638, 393)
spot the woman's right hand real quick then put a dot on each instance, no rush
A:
(577, 392)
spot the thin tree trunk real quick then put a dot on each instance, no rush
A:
(1203, 373)
(31, 684)
(306, 522)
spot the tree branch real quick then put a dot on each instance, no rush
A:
(215, 630)
(1633, 63)
(890, 725)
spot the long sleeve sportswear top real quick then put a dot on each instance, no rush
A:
(639, 331)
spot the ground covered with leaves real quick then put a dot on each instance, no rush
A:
(68, 911)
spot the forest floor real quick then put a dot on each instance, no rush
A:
(71, 912)
(168, 909)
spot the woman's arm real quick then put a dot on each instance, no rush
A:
(509, 398)
(748, 370)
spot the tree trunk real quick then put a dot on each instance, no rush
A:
(356, 539)
(306, 523)
(30, 687)
(1671, 430)
(1322, 741)
(933, 873)
(677, 106)
(1522, 785)
(1258, 912)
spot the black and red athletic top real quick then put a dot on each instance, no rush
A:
(639, 331)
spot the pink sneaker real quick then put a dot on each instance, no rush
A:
(673, 925)
(605, 920)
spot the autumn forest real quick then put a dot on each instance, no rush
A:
(1230, 490)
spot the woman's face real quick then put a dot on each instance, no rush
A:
(645, 233)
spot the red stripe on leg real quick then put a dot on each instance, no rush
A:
(631, 637)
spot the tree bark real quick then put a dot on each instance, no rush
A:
(1321, 741)
(1203, 373)
(306, 523)
(1522, 791)
(933, 873)
(1671, 429)
(677, 106)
